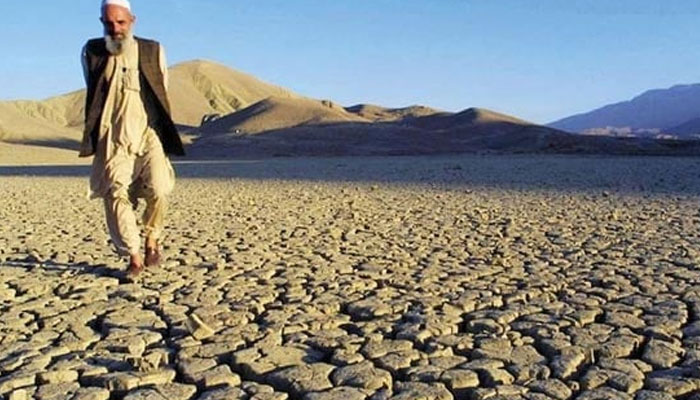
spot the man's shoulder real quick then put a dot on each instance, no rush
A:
(147, 42)
(95, 45)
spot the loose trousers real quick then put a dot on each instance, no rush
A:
(148, 175)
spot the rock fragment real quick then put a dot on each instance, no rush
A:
(197, 328)
(363, 375)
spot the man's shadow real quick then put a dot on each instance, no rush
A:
(30, 263)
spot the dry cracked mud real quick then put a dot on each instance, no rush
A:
(474, 277)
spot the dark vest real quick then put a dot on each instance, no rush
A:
(153, 93)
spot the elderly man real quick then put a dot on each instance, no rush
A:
(129, 130)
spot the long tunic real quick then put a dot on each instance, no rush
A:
(124, 130)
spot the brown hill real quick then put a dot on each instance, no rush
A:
(244, 117)
(200, 88)
(54, 119)
(376, 113)
(279, 113)
(471, 130)
(389, 138)
(197, 89)
(471, 117)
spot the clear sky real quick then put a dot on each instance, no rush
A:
(539, 60)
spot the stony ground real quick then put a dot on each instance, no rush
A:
(463, 277)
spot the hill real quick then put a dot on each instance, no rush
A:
(197, 89)
(376, 113)
(204, 88)
(57, 119)
(277, 113)
(471, 117)
(659, 109)
(689, 129)
(232, 114)
(471, 130)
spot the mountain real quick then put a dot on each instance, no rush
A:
(471, 130)
(660, 109)
(204, 88)
(279, 112)
(198, 89)
(471, 117)
(689, 129)
(53, 120)
(227, 113)
(376, 113)
(304, 127)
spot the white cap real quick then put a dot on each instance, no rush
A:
(121, 3)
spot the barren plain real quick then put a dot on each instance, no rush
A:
(465, 277)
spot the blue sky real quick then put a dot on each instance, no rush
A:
(539, 60)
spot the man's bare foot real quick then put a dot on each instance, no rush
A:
(135, 265)
(152, 253)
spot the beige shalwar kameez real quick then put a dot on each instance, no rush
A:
(130, 161)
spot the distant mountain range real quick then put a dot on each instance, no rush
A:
(673, 112)
(227, 113)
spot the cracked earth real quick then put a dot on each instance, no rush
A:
(475, 277)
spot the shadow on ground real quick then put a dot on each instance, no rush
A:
(639, 174)
(29, 263)
(66, 144)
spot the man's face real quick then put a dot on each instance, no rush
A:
(117, 21)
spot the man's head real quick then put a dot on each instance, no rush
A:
(117, 21)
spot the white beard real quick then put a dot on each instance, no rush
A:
(116, 46)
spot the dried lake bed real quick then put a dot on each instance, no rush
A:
(465, 277)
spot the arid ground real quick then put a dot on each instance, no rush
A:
(465, 277)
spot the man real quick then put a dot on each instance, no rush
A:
(129, 130)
